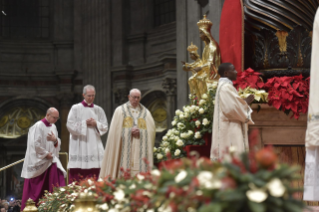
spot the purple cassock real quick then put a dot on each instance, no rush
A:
(39, 172)
(34, 188)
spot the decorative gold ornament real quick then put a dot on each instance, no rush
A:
(204, 24)
(85, 202)
(128, 122)
(159, 114)
(141, 123)
(282, 35)
(30, 206)
(3, 121)
(192, 48)
(24, 122)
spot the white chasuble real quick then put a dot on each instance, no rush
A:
(86, 148)
(231, 118)
(311, 181)
(35, 161)
(122, 149)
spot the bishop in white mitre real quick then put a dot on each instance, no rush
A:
(42, 168)
(232, 115)
(131, 139)
(311, 182)
(86, 123)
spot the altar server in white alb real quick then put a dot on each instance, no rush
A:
(130, 140)
(86, 123)
(232, 115)
(311, 182)
(42, 168)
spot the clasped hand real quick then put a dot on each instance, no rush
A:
(135, 132)
(250, 99)
(51, 137)
(91, 122)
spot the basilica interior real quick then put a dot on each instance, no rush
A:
(50, 49)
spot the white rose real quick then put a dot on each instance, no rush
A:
(197, 123)
(165, 138)
(176, 138)
(186, 110)
(166, 150)
(192, 109)
(190, 96)
(177, 152)
(169, 133)
(179, 143)
(205, 121)
(173, 123)
(180, 125)
(159, 156)
(202, 101)
(186, 115)
(204, 96)
(176, 132)
(184, 135)
(181, 116)
(201, 110)
(190, 132)
(215, 84)
(178, 112)
(154, 149)
(198, 135)
(165, 143)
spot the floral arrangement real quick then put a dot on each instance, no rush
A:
(252, 182)
(248, 78)
(61, 199)
(289, 94)
(188, 126)
(260, 95)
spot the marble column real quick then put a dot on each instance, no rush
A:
(169, 86)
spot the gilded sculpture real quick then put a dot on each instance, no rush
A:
(204, 69)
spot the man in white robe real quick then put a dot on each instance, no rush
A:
(86, 123)
(130, 140)
(231, 115)
(311, 181)
(42, 167)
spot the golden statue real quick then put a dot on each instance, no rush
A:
(205, 70)
(192, 82)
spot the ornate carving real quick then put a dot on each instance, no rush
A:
(169, 85)
(120, 95)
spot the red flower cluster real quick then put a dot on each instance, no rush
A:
(289, 94)
(248, 78)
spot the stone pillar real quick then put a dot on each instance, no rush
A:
(169, 86)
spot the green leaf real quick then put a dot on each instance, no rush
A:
(213, 207)
(257, 207)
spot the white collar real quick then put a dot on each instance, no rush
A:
(225, 79)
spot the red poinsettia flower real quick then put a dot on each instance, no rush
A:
(248, 78)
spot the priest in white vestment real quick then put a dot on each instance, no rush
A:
(311, 181)
(42, 168)
(232, 115)
(86, 123)
(130, 140)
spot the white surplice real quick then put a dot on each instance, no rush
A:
(231, 118)
(122, 150)
(86, 148)
(38, 148)
(311, 181)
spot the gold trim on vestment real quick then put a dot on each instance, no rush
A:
(128, 122)
(141, 123)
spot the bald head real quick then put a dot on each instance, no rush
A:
(52, 115)
(135, 97)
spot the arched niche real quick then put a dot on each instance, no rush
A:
(18, 115)
(156, 103)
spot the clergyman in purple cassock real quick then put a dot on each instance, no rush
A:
(42, 168)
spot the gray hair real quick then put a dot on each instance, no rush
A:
(135, 89)
(51, 109)
(88, 87)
